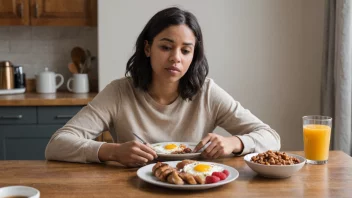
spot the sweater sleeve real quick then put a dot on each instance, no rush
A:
(230, 115)
(74, 142)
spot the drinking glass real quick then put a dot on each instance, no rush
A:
(316, 138)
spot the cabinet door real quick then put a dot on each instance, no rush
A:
(14, 12)
(18, 115)
(25, 142)
(64, 12)
(57, 115)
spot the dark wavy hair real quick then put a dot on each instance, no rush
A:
(139, 67)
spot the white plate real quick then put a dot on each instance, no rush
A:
(12, 91)
(190, 145)
(146, 174)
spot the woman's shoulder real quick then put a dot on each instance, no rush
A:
(207, 88)
(210, 87)
(208, 83)
(122, 83)
(116, 89)
(118, 86)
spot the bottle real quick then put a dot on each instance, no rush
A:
(19, 77)
(6, 75)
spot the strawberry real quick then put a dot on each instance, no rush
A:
(226, 172)
(211, 179)
(220, 175)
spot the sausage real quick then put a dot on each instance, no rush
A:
(199, 179)
(165, 174)
(182, 164)
(173, 178)
(187, 178)
(156, 166)
(162, 168)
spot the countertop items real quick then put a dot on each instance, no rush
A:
(46, 81)
(12, 91)
(6, 75)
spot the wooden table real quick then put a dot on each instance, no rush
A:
(61, 179)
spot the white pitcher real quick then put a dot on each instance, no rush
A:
(46, 81)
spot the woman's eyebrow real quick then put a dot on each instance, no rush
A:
(172, 41)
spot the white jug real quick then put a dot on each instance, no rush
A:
(46, 81)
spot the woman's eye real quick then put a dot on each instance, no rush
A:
(185, 51)
(165, 48)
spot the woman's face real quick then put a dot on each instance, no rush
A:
(171, 53)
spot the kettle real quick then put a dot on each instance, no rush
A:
(46, 81)
(6, 75)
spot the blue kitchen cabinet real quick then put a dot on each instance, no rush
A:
(25, 131)
(25, 142)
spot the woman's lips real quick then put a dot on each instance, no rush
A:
(173, 68)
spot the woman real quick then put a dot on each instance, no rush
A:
(164, 97)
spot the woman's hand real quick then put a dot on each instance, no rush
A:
(219, 145)
(132, 154)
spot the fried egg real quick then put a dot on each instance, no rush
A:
(202, 169)
(168, 148)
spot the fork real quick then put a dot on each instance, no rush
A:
(140, 139)
(145, 143)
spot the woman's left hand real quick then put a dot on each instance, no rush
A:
(219, 145)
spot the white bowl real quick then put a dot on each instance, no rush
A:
(14, 191)
(275, 171)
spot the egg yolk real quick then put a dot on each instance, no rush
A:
(170, 146)
(202, 168)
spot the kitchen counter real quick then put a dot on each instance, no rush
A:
(55, 99)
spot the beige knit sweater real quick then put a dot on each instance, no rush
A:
(122, 109)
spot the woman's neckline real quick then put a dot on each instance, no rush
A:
(150, 99)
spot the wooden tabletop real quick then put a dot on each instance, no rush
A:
(55, 99)
(62, 179)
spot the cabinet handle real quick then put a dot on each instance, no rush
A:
(64, 116)
(21, 10)
(36, 8)
(11, 117)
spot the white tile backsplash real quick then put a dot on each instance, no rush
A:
(4, 46)
(21, 32)
(72, 32)
(46, 32)
(37, 47)
(20, 46)
(5, 32)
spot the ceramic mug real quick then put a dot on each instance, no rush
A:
(80, 83)
(19, 191)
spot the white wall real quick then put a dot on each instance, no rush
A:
(266, 54)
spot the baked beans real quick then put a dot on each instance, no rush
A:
(274, 158)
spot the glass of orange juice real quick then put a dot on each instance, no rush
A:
(316, 138)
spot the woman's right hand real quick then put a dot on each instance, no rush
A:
(132, 153)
